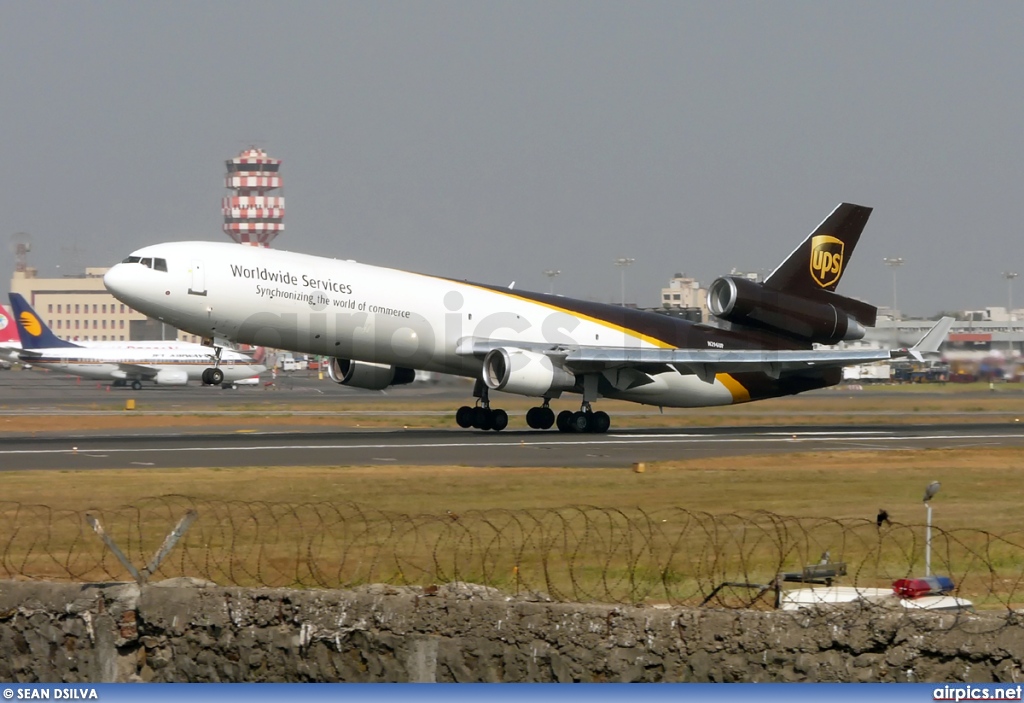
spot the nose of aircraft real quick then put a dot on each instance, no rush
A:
(114, 279)
(122, 281)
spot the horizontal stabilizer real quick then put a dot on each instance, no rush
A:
(930, 342)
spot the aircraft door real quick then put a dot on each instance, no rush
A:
(197, 286)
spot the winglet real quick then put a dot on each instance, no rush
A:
(929, 343)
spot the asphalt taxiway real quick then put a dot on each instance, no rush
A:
(32, 393)
(476, 449)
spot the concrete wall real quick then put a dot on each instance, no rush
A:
(177, 631)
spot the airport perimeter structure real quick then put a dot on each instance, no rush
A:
(589, 554)
(182, 632)
(337, 592)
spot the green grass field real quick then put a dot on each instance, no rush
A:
(667, 534)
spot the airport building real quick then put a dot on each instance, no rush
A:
(686, 293)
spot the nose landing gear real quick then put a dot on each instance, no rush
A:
(214, 376)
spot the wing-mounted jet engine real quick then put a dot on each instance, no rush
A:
(367, 375)
(525, 372)
(171, 377)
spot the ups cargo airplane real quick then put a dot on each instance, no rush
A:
(163, 363)
(380, 325)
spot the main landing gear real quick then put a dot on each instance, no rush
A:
(214, 376)
(540, 418)
(483, 416)
(586, 420)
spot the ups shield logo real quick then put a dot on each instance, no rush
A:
(30, 323)
(826, 260)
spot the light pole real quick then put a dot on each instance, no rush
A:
(929, 493)
(1009, 276)
(551, 273)
(622, 262)
(893, 262)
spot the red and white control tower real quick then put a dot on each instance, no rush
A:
(250, 215)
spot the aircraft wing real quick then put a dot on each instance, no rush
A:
(138, 370)
(10, 353)
(26, 354)
(705, 363)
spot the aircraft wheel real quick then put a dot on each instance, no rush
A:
(481, 418)
(499, 420)
(580, 422)
(546, 417)
(205, 377)
(464, 417)
(564, 420)
(487, 421)
(531, 418)
(216, 377)
(136, 385)
(600, 422)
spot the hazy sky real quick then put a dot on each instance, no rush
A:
(493, 140)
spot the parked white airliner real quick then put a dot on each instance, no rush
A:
(163, 363)
(380, 325)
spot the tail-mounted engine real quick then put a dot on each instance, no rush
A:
(372, 377)
(825, 317)
(525, 372)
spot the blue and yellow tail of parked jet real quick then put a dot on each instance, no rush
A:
(33, 332)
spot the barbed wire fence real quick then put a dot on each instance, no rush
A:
(577, 554)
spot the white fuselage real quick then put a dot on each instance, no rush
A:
(166, 363)
(354, 311)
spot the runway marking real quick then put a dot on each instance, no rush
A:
(822, 433)
(661, 439)
(832, 433)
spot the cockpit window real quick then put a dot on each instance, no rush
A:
(155, 264)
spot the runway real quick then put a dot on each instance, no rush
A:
(477, 449)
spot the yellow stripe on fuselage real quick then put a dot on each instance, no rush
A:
(611, 325)
(739, 393)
